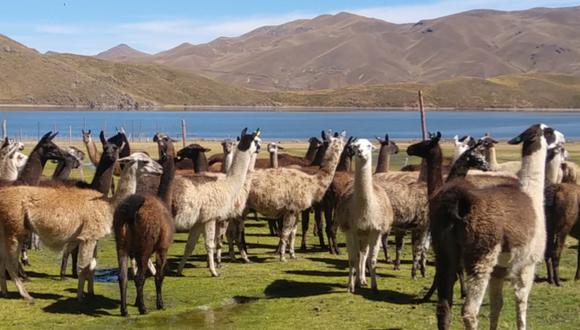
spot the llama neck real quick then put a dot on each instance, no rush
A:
(491, 158)
(103, 176)
(311, 152)
(458, 170)
(274, 159)
(344, 162)
(127, 185)
(457, 153)
(62, 171)
(363, 180)
(165, 190)
(200, 163)
(93, 152)
(320, 155)
(553, 168)
(32, 171)
(9, 170)
(384, 160)
(328, 168)
(434, 163)
(239, 168)
(228, 159)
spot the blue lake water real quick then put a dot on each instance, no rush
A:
(285, 125)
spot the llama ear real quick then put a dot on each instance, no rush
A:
(53, 135)
(379, 139)
(373, 148)
(89, 132)
(517, 140)
(244, 131)
(257, 133)
(83, 131)
(456, 139)
(45, 136)
(102, 137)
(343, 134)
(387, 138)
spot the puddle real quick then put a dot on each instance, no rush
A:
(107, 275)
(205, 316)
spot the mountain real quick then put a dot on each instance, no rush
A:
(28, 77)
(121, 52)
(335, 51)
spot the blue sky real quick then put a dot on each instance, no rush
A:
(90, 26)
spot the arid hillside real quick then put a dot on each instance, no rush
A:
(335, 51)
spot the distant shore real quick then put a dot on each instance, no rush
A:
(233, 108)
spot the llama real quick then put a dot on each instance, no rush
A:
(287, 191)
(72, 161)
(388, 148)
(494, 232)
(490, 154)
(92, 151)
(143, 225)
(461, 145)
(197, 208)
(196, 153)
(11, 160)
(63, 216)
(364, 214)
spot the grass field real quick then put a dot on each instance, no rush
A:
(309, 292)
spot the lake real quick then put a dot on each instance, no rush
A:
(285, 125)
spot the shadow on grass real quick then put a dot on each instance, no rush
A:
(389, 296)
(31, 274)
(337, 263)
(317, 273)
(35, 295)
(295, 289)
(92, 306)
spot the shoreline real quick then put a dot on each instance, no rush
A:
(232, 108)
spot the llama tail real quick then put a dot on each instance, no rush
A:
(447, 229)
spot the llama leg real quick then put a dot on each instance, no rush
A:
(577, 276)
(231, 235)
(495, 300)
(363, 253)
(24, 250)
(75, 259)
(140, 282)
(292, 240)
(305, 222)
(220, 231)
(330, 230)
(11, 263)
(560, 240)
(160, 262)
(375, 241)
(352, 249)
(122, 258)
(399, 236)
(86, 266)
(65, 254)
(476, 286)
(189, 246)
(272, 227)
(318, 221)
(385, 245)
(522, 284)
(289, 219)
(416, 252)
(3, 284)
(240, 229)
(209, 233)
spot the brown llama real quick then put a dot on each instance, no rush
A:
(495, 232)
(143, 225)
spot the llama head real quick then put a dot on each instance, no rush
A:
(141, 163)
(74, 157)
(536, 137)
(191, 151)
(47, 149)
(424, 148)
(314, 142)
(249, 142)
(273, 147)
(391, 146)
(363, 148)
(228, 145)
(333, 143)
(120, 139)
(86, 136)
(487, 141)
(165, 147)
(474, 158)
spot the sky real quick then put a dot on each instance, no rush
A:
(91, 26)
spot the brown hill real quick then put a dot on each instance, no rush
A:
(29, 77)
(121, 52)
(334, 51)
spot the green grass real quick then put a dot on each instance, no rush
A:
(309, 292)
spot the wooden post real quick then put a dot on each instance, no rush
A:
(423, 120)
(4, 129)
(183, 132)
(37, 130)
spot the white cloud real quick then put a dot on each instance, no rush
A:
(417, 12)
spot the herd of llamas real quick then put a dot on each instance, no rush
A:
(487, 222)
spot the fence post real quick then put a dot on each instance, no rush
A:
(4, 129)
(69, 134)
(423, 119)
(183, 132)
